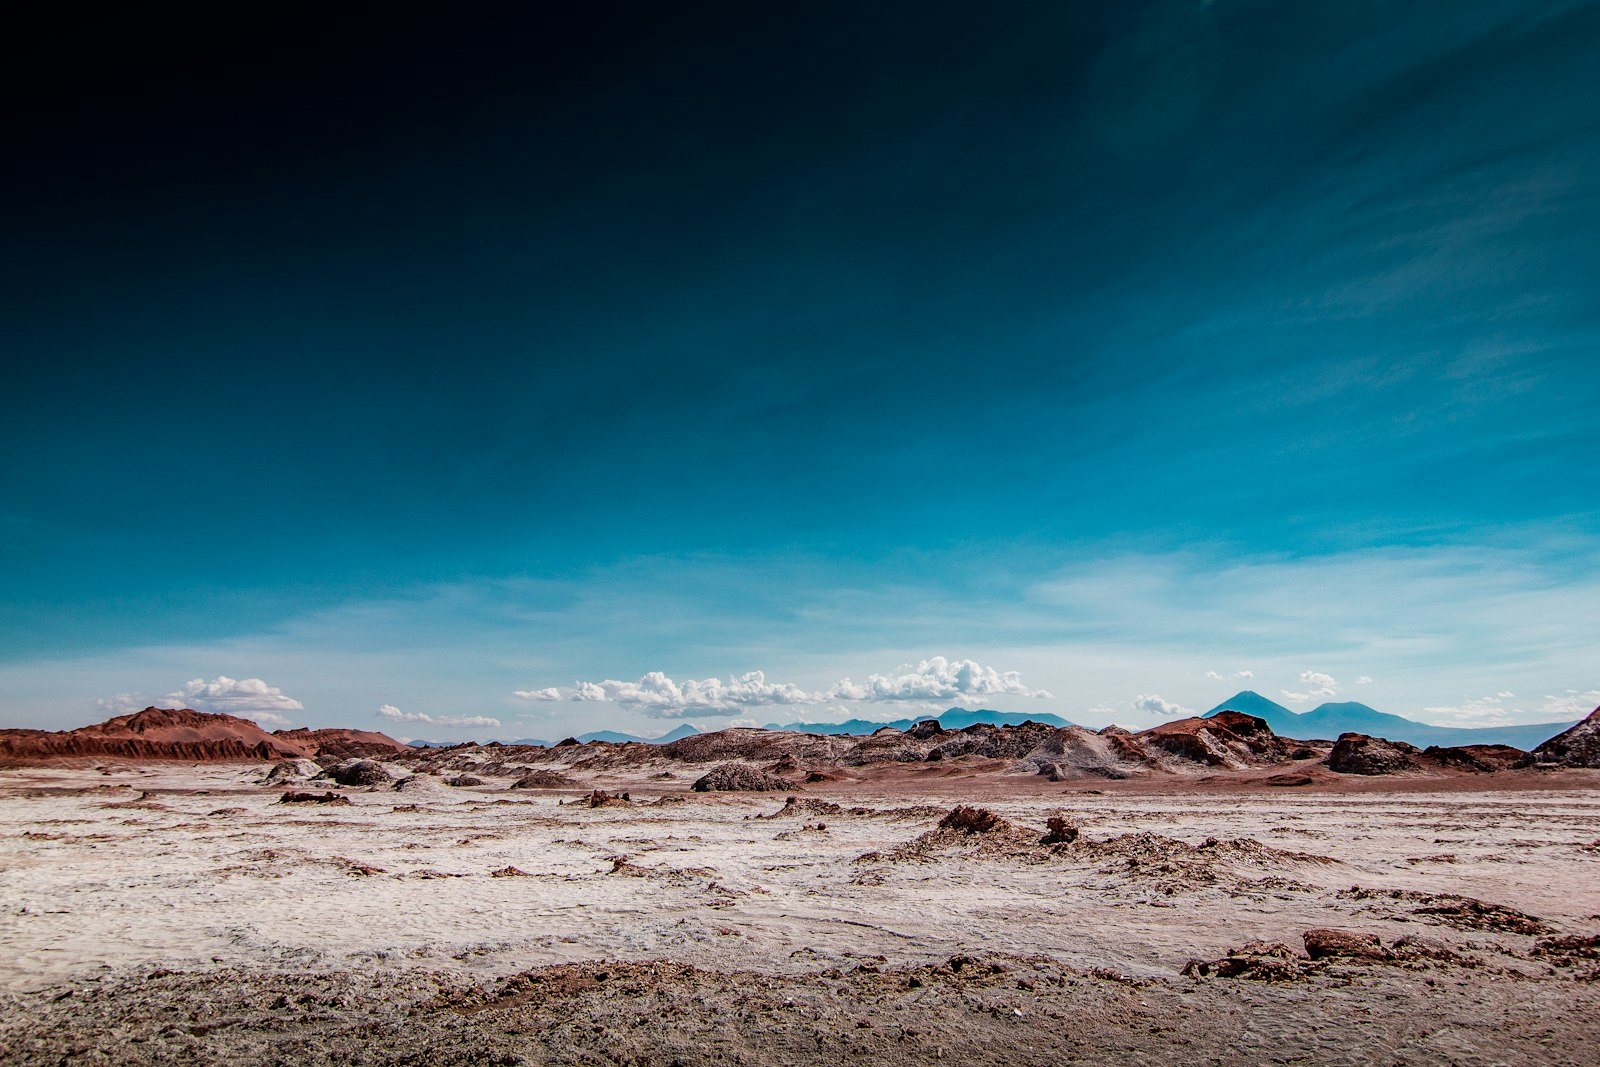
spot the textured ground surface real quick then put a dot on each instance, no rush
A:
(184, 915)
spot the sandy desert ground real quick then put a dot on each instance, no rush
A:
(172, 913)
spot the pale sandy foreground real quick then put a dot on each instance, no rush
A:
(181, 914)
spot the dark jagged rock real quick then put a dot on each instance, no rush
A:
(1576, 747)
(329, 797)
(1288, 780)
(1360, 754)
(358, 772)
(969, 820)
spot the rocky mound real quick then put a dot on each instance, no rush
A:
(1360, 754)
(152, 734)
(178, 734)
(543, 780)
(1228, 739)
(340, 744)
(1072, 753)
(291, 771)
(730, 777)
(1484, 759)
(1576, 747)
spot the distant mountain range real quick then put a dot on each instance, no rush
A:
(684, 730)
(953, 719)
(1331, 720)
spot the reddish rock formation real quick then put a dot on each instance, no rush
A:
(1228, 739)
(168, 734)
(1576, 747)
(341, 744)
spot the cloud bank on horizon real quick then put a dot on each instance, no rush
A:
(925, 683)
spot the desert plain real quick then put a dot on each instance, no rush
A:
(175, 912)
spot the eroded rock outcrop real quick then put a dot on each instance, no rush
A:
(1361, 754)
(1576, 747)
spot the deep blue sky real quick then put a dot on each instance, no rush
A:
(418, 357)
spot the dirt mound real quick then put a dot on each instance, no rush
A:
(1360, 754)
(756, 746)
(802, 807)
(543, 780)
(1578, 746)
(464, 781)
(735, 777)
(1485, 759)
(1256, 961)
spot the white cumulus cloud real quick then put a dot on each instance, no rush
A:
(1322, 685)
(246, 697)
(394, 714)
(936, 679)
(1165, 710)
(933, 679)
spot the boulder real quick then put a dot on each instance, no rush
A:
(358, 772)
(291, 771)
(1359, 754)
(1323, 943)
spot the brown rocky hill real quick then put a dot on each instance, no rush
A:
(1231, 741)
(1577, 747)
(180, 734)
(340, 743)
